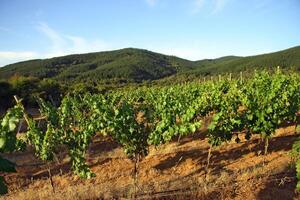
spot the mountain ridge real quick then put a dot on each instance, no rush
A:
(140, 64)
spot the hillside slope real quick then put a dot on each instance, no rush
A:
(127, 63)
(289, 58)
(137, 65)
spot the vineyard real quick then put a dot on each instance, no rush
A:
(146, 117)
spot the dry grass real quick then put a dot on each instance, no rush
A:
(173, 171)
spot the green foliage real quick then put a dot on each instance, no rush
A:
(139, 117)
(126, 63)
(174, 110)
(115, 115)
(66, 125)
(287, 59)
(127, 131)
(225, 101)
(25, 87)
(9, 141)
(28, 88)
(266, 111)
(8, 125)
(137, 65)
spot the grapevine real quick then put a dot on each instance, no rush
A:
(139, 118)
(9, 141)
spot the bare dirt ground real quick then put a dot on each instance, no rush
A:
(172, 171)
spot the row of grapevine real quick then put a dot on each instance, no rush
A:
(9, 141)
(142, 117)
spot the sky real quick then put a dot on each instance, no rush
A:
(191, 29)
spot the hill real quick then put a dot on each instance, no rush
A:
(289, 58)
(138, 65)
(127, 63)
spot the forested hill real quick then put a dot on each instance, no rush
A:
(130, 63)
(137, 65)
(289, 58)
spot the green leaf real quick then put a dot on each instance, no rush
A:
(212, 126)
(193, 128)
(12, 123)
(2, 142)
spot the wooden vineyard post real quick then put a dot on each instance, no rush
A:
(178, 140)
(241, 77)
(296, 123)
(266, 145)
(208, 157)
(50, 177)
(266, 150)
(208, 162)
(136, 168)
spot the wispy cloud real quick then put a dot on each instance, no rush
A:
(63, 44)
(7, 57)
(198, 4)
(80, 44)
(219, 6)
(56, 39)
(59, 45)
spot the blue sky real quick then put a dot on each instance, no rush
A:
(192, 29)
